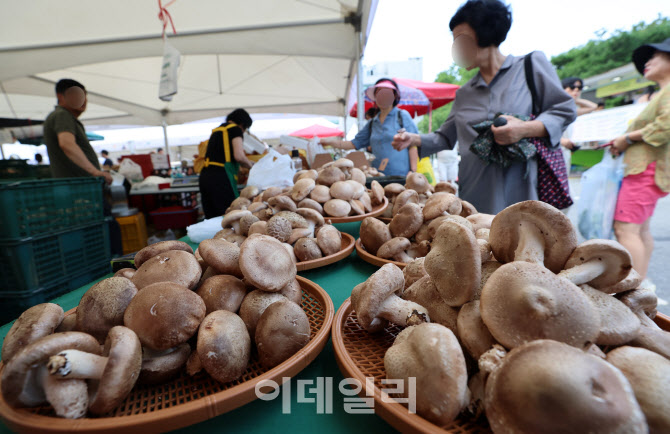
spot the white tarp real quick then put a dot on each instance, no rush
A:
(264, 55)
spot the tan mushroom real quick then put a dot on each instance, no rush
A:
(413, 271)
(440, 204)
(377, 193)
(35, 323)
(172, 266)
(337, 208)
(357, 207)
(472, 332)
(164, 315)
(424, 293)
(296, 220)
(649, 376)
(249, 192)
(375, 301)
(313, 218)
(245, 224)
(329, 239)
(222, 256)
(550, 387)
(357, 188)
(407, 196)
(532, 231)
(282, 330)
(374, 233)
(618, 324)
(447, 187)
(632, 281)
(307, 174)
(395, 249)
(222, 292)
(239, 204)
(454, 263)
(266, 264)
(522, 301)
(430, 354)
(232, 220)
(488, 268)
(484, 249)
(423, 234)
(357, 175)
(434, 225)
(257, 206)
(128, 273)
(467, 209)
(417, 181)
(280, 228)
(418, 250)
(296, 234)
(293, 292)
(224, 346)
(154, 249)
(321, 194)
(306, 249)
(253, 306)
(69, 324)
(281, 203)
(640, 300)
(260, 227)
(270, 193)
(302, 189)
(113, 375)
(407, 221)
(482, 234)
(329, 176)
(311, 204)
(159, 367)
(102, 307)
(600, 263)
(343, 190)
(651, 337)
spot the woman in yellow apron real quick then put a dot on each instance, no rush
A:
(225, 154)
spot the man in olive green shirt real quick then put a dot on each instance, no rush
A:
(70, 152)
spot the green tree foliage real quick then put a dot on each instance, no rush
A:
(599, 56)
(453, 75)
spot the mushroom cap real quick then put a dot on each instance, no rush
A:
(422, 234)
(240, 203)
(257, 206)
(280, 228)
(423, 292)
(157, 248)
(221, 255)
(614, 255)
(342, 190)
(271, 192)
(222, 292)
(128, 273)
(618, 324)
(472, 332)
(292, 291)
(393, 189)
(310, 215)
(124, 361)
(374, 233)
(467, 209)
(480, 221)
(343, 163)
(249, 192)
(330, 175)
(554, 226)
(407, 196)
(649, 376)
(369, 296)
(310, 204)
(522, 301)
(357, 187)
(36, 322)
(376, 193)
(441, 203)
(311, 174)
(337, 208)
(321, 194)
(407, 221)
(282, 330)
(102, 307)
(160, 367)
(69, 324)
(245, 224)
(488, 268)
(632, 281)
(175, 266)
(358, 175)
(282, 203)
(233, 217)
(446, 186)
(224, 346)
(357, 207)
(164, 315)
(414, 271)
(266, 264)
(431, 354)
(393, 247)
(253, 306)
(417, 181)
(296, 220)
(640, 300)
(260, 227)
(18, 382)
(550, 387)
(302, 188)
(306, 249)
(329, 239)
(296, 234)
(454, 263)
(434, 224)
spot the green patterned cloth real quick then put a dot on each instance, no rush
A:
(489, 151)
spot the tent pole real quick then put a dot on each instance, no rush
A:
(165, 137)
(2, 152)
(430, 117)
(359, 84)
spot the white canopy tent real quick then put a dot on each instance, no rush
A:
(297, 56)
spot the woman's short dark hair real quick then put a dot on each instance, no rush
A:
(240, 117)
(490, 19)
(570, 82)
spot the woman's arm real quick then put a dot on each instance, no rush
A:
(413, 158)
(336, 142)
(238, 152)
(585, 106)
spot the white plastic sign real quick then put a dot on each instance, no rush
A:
(169, 70)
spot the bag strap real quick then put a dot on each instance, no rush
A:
(226, 142)
(530, 81)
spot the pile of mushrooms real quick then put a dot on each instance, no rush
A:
(546, 336)
(337, 189)
(416, 214)
(176, 313)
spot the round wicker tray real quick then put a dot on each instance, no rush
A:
(372, 259)
(376, 211)
(185, 400)
(360, 355)
(345, 251)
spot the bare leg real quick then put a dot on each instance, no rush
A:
(648, 241)
(630, 236)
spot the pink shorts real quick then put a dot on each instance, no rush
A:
(638, 196)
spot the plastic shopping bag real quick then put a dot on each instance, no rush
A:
(204, 230)
(273, 170)
(597, 201)
(131, 170)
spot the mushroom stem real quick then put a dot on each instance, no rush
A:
(584, 273)
(76, 364)
(69, 398)
(530, 247)
(402, 257)
(403, 312)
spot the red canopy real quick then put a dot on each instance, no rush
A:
(317, 131)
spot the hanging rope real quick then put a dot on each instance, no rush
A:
(165, 17)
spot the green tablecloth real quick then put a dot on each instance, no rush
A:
(263, 416)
